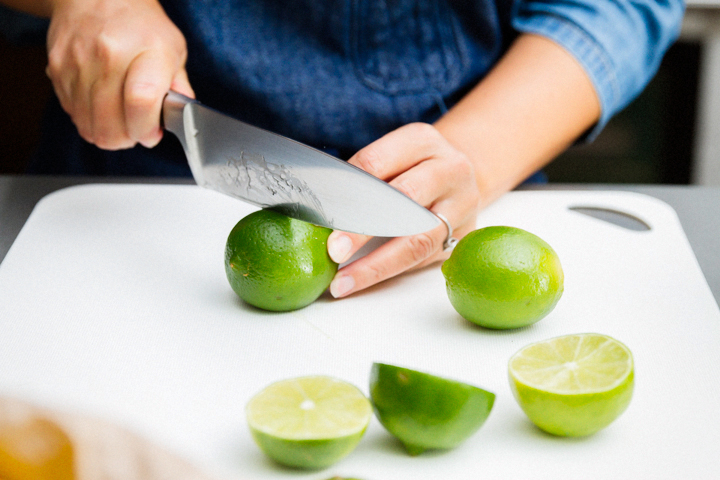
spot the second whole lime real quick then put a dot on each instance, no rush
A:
(278, 263)
(503, 277)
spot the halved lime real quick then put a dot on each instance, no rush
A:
(573, 385)
(308, 422)
(425, 411)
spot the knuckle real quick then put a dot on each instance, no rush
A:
(107, 50)
(179, 45)
(79, 54)
(409, 188)
(422, 246)
(462, 165)
(85, 132)
(424, 130)
(142, 95)
(109, 138)
(111, 142)
(375, 273)
(427, 135)
(103, 140)
(369, 160)
(55, 61)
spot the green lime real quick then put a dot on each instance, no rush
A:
(503, 277)
(573, 385)
(278, 263)
(425, 411)
(308, 422)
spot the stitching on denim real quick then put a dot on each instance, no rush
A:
(450, 47)
(448, 78)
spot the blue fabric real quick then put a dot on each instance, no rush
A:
(339, 74)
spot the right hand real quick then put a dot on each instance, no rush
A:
(111, 63)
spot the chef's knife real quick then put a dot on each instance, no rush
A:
(275, 172)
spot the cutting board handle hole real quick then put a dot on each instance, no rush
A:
(616, 217)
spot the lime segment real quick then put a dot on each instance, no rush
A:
(573, 385)
(308, 422)
(425, 411)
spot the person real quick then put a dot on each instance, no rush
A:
(453, 102)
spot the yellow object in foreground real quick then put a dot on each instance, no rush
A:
(34, 448)
(308, 422)
(573, 385)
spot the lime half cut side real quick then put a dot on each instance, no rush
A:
(308, 422)
(425, 411)
(574, 385)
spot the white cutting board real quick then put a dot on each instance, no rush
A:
(114, 301)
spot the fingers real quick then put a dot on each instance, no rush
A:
(111, 65)
(424, 166)
(399, 150)
(393, 258)
(396, 256)
(104, 122)
(431, 182)
(343, 245)
(415, 159)
(143, 95)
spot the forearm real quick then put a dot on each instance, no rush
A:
(529, 108)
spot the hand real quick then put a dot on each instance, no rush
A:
(417, 160)
(111, 63)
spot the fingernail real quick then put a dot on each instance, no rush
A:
(339, 247)
(341, 285)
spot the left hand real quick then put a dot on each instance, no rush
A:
(417, 160)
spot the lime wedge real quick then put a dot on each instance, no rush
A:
(308, 422)
(573, 385)
(425, 411)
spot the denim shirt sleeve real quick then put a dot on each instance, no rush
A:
(619, 43)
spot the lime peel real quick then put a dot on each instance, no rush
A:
(278, 263)
(425, 411)
(502, 277)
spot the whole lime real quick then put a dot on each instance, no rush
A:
(503, 277)
(425, 411)
(278, 263)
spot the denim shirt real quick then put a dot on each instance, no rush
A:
(338, 74)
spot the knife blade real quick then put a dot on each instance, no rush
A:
(274, 172)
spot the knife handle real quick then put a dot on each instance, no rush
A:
(172, 115)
